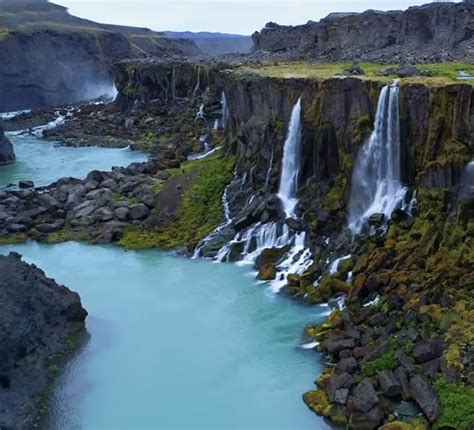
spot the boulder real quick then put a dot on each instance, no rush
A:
(425, 396)
(122, 213)
(7, 155)
(389, 384)
(365, 396)
(26, 184)
(139, 212)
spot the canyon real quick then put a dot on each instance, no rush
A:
(342, 186)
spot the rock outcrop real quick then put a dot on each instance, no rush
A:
(50, 57)
(7, 155)
(433, 32)
(38, 321)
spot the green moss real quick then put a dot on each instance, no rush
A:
(386, 361)
(457, 401)
(67, 235)
(336, 197)
(14, 239)
(201, 210)
(121, 198)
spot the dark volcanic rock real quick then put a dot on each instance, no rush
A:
(37, 319)
(365, 396)
(433, 32)
(7, 155)
(425, 397)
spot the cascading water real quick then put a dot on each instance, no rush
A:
(173, 83)
(376, 181)
(261, 236)
(197, 88)
(225, 111)
(291, 163)
(200, 114)
(468, 177)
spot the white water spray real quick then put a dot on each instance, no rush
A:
(197, 88)
(291, 163)
(225, 111)
(376, 181)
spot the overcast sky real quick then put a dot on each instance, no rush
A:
(228, 16)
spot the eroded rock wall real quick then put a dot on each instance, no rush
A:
(433, 32)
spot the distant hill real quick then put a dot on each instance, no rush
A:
(50, 57)
(216, 43)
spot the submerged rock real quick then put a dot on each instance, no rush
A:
(7, 155)
(38, 319)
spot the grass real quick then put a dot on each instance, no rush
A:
(201, 208)
(443, 73)
(458, 405)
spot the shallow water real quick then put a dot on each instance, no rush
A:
(42, 162)
(178, 343)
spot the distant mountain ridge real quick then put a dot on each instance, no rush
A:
(50, 57)
(216, 43)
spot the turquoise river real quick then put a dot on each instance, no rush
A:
(173, 343)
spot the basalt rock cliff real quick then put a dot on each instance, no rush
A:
(38, 320)
(433, 32)
(50, 57)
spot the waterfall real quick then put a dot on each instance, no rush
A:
(200, 114)
(376, 181)
(173, 83)
(198, 83)
(225, 111)
(291, 163)
(260, 236)
(468, 177)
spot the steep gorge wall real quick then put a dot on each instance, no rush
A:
(437, 122)
(433, 32)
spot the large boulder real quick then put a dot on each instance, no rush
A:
(7, 155)
(38, 318)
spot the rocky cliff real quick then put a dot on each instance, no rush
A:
(433, 32)
(7, 155)
(50, 57)
(37, 323)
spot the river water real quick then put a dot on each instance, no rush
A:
(173, 342)
(44, 162)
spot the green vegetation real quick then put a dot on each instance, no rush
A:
(200, 212)
(67, 235)
(442, 73)
(458, 405)
(121, 198)
(386, 361)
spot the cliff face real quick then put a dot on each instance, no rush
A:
(50, 57)
(38, 320)
(437, 127)
(7, 155)
(433, 32)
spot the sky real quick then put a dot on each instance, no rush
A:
(227, 16)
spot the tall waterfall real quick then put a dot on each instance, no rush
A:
(225, 111)
(291, 163)
(376, 181)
